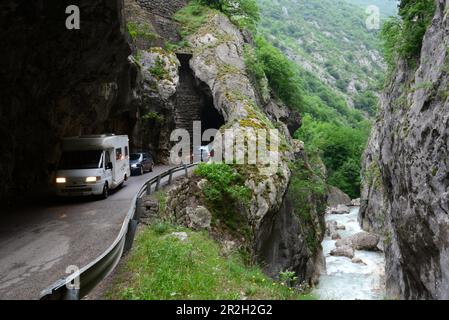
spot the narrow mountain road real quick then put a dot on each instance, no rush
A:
(37, 244)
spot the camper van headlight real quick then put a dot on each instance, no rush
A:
(91, 179)
(61, 180)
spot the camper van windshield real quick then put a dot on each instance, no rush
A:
(80, 160)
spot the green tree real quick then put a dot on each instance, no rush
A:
(214, 4)
(280, 72)
(366, 101)
(402, 37)
(347, 178)
(341, 149)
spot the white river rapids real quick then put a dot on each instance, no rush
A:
(345, 280)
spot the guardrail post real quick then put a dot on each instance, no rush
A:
(132, 227)
(170, 177)
(186, 170)
(158, 183)
(139, 209)
(148, 188)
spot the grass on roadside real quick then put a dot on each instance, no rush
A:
(162, 267)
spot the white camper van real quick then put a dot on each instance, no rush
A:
(92, 165)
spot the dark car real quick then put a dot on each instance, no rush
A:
(141, 162)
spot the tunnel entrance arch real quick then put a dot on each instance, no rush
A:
(194, 102)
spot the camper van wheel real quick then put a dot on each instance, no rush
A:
(105, 193)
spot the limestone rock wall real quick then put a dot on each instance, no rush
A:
(162, 11)
(289, 238)
(58, 82)
(410, 156)
(217, 62)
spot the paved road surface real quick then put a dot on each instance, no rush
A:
(38, 244)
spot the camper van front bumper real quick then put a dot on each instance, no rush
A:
(85, 190)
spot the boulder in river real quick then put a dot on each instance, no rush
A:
(335, 197)
(360, 241)
(365, 241)
(344, 242)
(358, 261)
(355, 202)
(343, 251)
(335, 236)
(340, 209)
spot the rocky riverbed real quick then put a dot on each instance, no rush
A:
(355, 266)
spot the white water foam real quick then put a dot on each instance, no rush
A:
(345, 280)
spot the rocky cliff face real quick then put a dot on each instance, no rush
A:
(406, 189)
(218, 62)
(281, 238)
(373, 204)
(161, 12)
(58, 82)
(289, 238)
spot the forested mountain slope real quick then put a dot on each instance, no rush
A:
(330, 40)
(339, 70)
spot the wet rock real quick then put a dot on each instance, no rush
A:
(335, 197)
(331, 226)
(343, 242)
(343, 251)
(335, 236)
(355, 202)
(365, 241)
(358, 261)
(360, 241)
(340, 209)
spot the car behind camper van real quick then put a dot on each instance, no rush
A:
(92, 165)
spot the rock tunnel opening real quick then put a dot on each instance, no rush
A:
(195, 102)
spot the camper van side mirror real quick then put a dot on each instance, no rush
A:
(109, 166)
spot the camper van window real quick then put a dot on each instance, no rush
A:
(107, 157)
(118, 154)
(126, 152)
(89, 159)
(101, 161)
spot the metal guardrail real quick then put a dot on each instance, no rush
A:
(81, 282)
